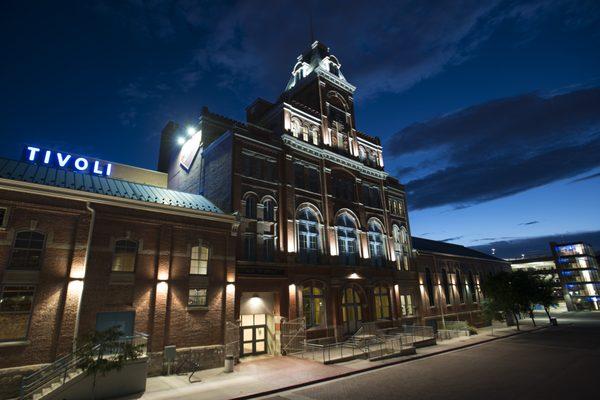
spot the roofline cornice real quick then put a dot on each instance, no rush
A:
(425, 252)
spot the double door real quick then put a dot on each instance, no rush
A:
(253, 334)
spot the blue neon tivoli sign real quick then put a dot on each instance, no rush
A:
(67, 161)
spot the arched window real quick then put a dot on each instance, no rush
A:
(400, 247)
(27, 250)
(347, 239)
(250, 208)
(460, 287)
(376, 247)
(295, 127)
(446, 286)
(269, 210)
(362, 153)
(308, 235)
(313, 304)
(314, 133)
(125, 255)
(429, 287)
(382, 302)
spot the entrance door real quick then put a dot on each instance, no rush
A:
(253, 334)
(351, 310)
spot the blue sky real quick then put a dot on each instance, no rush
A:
(475, 101)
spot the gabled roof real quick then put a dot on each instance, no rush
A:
(49, 176)
(434, 246)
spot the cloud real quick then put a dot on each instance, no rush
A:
(452, 239)
(502, 147)
(529, 223)
(585, 178)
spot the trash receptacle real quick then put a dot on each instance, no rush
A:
(553, 321)
(228, 364)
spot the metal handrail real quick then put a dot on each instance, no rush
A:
(69, 363)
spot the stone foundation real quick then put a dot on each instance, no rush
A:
(206, 356)
(10, 379)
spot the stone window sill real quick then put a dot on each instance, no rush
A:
(15, 343)
(197, 308)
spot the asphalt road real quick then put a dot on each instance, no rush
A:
(553, 363)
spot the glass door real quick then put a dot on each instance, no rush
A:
(254, 334)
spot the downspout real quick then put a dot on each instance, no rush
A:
(85, 265)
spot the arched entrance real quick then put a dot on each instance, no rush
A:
(352, 312)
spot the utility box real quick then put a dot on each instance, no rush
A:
(169, 355)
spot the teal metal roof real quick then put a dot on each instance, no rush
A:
(44, 175)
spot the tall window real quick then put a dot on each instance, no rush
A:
(407, 305)
(125, 255)
(250, 207)
(27, 250)
(313, 304)
(347, 240)
(460, 287)
(343, 187)
(471, 282)
(16, 303)
(446, 286)
(3, 217)
(376, 243)
(269, 210)
(199, 259)
(382, 302)
(429, 287)
(197, 297)
(400, 247)
(308, 235)
(250, 247)
(268, 248)
(314, 133)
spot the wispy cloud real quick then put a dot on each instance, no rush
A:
(529, 223)
(452, 239)
(586, 178)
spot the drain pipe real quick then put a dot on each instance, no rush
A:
(85, 265)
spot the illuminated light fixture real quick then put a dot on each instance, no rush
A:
(354, 275)
(190, 130)
(180, 140)
(255, 296)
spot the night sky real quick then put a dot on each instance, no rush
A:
(489, 110)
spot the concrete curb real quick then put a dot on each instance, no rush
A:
(375, 367)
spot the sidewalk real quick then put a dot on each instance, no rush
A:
(269, 374)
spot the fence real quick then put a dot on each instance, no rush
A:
(447, 334)
(293, 336)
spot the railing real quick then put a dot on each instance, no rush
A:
(417, 333)
(293, 336)
(60, 369)
(447, 334)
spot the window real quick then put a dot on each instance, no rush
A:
(382, 303)
(295, 127)
(334, 69)
(269, 210)
(125, 255)
(306, 178)
(308, 235)
(460, 287)
(3, 217)
(343, 187)
(446, 286)
(268, 248)
(400, 247)
(313, 305)
(471, 283)
(429, 287)
(16, 303)
(250, 247)
(197, 298)
(246, 164)
(314, 133)
(313, 180)
(347, 239)
(407, 305)
(371, 196)
(250, 207)
(304, 133)
(199, 259)
(27, 250)
(375, 235)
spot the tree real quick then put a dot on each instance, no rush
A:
(500, 296)
(525, 290)
(545, 295)
(105, 351)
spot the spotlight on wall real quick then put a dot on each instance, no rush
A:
(190, 130)
(255, 296)
(354, 275)
(180, 140)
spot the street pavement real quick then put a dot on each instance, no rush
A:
(551, 363)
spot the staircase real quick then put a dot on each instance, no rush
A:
(42, 383)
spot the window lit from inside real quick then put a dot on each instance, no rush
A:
(125, 256)
(199, 259)
(197, 298)
(15, 309)
(382, 303)
(27, 251)
(313, 305)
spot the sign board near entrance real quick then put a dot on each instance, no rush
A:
(63, 160)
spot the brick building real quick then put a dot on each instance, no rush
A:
(324, 231)
(289, 215)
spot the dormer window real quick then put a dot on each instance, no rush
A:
(334, 69)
